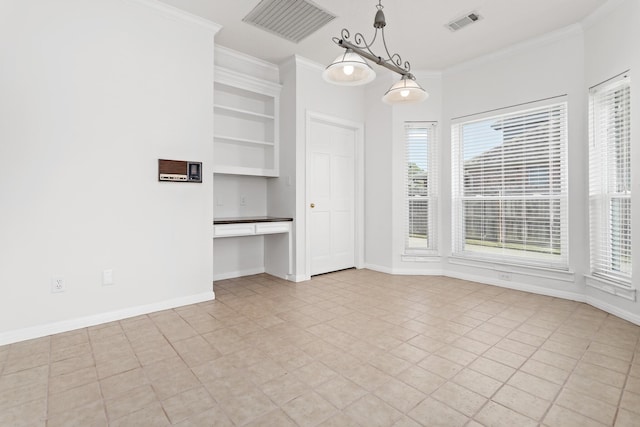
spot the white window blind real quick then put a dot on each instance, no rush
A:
(610, 179)
(510, 186)
(421, 187)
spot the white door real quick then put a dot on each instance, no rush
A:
(331, 196)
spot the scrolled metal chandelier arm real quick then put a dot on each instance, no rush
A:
(352, 69)
(395, 58)
(360, 46)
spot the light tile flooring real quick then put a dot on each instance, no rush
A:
(353, 348)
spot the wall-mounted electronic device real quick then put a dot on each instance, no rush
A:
(179, 171)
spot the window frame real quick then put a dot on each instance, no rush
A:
(431, 151)
(504, 252)
(605, 119)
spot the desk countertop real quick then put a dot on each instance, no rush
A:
(248, 219)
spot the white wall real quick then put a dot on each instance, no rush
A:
(304, 91)
(239, 196)
(540, 69)
(430, 110)
(379, 222)
(281, 201)
(611, 47)
(566, 62)
(93, 94)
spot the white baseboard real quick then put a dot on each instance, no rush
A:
(239, 273)
(83, 322)
(573, 296)
(406, 271)
(380, 268)
(612, 309)
(297, 278)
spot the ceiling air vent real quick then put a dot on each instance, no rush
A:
(462, 22)
(290, 19)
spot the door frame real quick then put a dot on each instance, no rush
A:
(358, 159)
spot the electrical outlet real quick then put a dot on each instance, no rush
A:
(243, 200)
(504, 276)
(107, 277)
(57, 284)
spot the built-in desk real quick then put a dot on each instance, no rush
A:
(254, 226)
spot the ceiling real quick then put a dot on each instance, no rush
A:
(415, 28)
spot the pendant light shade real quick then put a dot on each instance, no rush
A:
(349, 69)
(406, 91)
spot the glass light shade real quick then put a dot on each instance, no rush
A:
(349, 69)
(406, 91)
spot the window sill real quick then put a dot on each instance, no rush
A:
(417, 257)
(611, 287)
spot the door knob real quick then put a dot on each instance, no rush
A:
(313, 205)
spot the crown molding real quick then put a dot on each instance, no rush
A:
(601, 13)
(554, 36)
(233, 78)
(174, 12)
(222, 50)
(301, 60)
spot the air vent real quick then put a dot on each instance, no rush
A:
(290, 19)
(462, 22)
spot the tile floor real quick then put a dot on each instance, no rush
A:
(353, 348)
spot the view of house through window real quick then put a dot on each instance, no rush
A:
(510, 186)
(610, 179)
(421, 187)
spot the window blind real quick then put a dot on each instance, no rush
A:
(510, 186)
(421, 187)
(610, 179)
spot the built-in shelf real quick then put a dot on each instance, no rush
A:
(242, 140)
(246, 124)
(238, 170)
(237, 111)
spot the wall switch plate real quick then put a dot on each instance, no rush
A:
(107, 277)
(57, 284)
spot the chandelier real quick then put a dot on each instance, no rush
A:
(351, 69)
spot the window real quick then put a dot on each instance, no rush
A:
(610, 179)
(510, 186)
(421, 187)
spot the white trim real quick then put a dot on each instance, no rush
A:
(379, 268)
(573, 296)
(301, 60)
(417, 257)
(525, 270)
(611, 287)
(257, 62)
(406, 271)
(511, 109)
(418, 272)
(297, 278)
(83, 322)
(174, 12)
(601, 13)
(515, 49)
(612, 309)
(358, 129)
(233, 78)
(238, 273)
